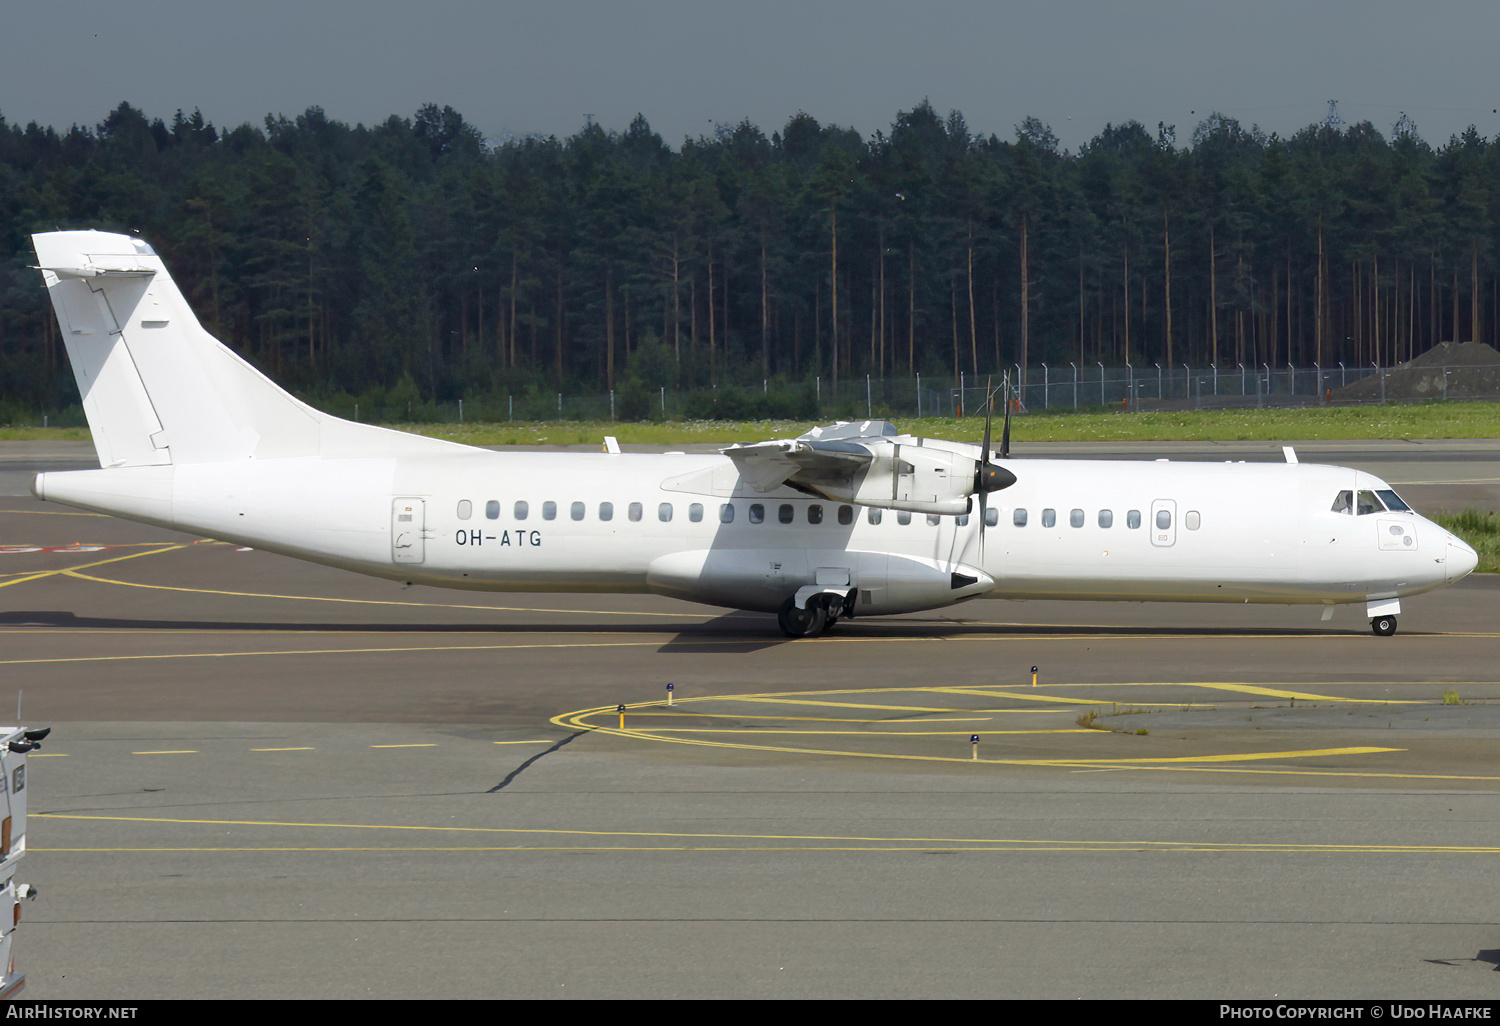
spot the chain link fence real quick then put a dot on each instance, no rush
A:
(1039, 388)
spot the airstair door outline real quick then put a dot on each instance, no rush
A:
(408, 524)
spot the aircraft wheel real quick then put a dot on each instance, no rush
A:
(1383, 626)
(801, 623)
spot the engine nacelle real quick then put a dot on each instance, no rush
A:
(907, 477)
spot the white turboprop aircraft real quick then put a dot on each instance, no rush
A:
(848, 520)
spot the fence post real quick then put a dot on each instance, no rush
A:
(1075, 383)
(869, 403)
(919, 396)
(1101, 384)
(1381, 371)
(1242, 380)
(1046, 388)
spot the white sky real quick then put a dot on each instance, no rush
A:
(542, 66)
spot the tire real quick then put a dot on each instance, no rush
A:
(1383, 626)
(801, 623)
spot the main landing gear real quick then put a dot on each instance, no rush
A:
(1383, 626)
(817, 617)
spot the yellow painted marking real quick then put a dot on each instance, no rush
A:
(72, 571)
(1021, 696)
(774, 700)
(315, 651)
(1257, 689)
(856, 842)
(871, 733)
(520, 742)
(49, 755)
(686, 614)
(674, 714)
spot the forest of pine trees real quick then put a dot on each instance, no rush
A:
(415, 254)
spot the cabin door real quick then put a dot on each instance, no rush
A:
(408, 522)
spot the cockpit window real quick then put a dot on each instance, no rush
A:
(1345, 502)
(1368, 503)
(1392, 500)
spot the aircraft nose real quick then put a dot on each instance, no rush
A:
(1461, 559)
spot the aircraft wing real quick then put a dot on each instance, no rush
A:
(866, 463)
(767, 465)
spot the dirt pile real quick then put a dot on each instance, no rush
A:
(1449, 370)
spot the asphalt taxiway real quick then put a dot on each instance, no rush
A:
(272, 779)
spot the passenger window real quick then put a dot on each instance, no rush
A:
(465, 509)
(846, 515)
(1133, 519)
(549, 510)
(1191, 520)
(874, 515)
(1368, 503)
(695, 512)
(1163, 519)
(1344, 503)
(903, 517)
(726, 513)
(933, 520)
(991, 516)
(1075, 518)
(606, 511)
(634, 512)
(815, 514)
(1392, 500)
(664, 512)
(963, 520)
(1018, 517)
(576, 511)
(1049, 518)
(1106, 518)
(491, 510)
(757, 513)
(522, 510)
(784, 514)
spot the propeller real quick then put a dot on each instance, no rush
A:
(988, 476)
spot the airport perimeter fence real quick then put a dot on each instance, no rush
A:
(1040, 388)
(1045, 388)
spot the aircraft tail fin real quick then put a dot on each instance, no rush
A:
(157, 388)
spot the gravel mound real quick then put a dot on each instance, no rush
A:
(1452, 370)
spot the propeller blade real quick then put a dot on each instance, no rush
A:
(981, 484)
(1005, 431)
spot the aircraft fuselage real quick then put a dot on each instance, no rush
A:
(687, 526)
